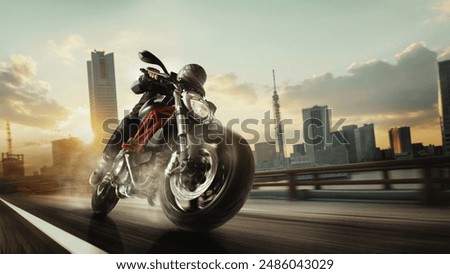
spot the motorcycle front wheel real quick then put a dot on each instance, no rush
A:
(223, 179)
(103, 199)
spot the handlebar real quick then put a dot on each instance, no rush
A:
(155, 74)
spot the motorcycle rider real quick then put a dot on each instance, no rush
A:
(191, 76)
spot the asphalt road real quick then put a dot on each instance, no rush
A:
(261, 227)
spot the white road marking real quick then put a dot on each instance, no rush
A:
(68, 241)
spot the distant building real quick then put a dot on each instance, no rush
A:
(387, 154)
(299, 158)
(419, 150)
(400, 141)
(266, 155)
(299, 149)
(13, 165)
(336, 155)
(322, 147)
(338, 139)
(349, 134)
(366, 149)
(300, 161)
(444, 103)
(438, 150)
(359, 143)
(316, 129)
(102, 92)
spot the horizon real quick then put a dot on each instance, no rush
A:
(368, 62)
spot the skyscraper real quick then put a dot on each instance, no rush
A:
(400, 141)
(316, 129)
(444, 103)
(366, 149)
(349, 134)
(102, 92)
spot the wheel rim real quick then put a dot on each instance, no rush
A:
(203, 179)
(100, 189)
(212, 187)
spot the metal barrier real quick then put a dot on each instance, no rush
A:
(434, 177)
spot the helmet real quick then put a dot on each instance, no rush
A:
(194, 76)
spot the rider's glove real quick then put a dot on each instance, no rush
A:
(147, 78)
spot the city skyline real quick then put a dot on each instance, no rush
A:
(330, 149)
(347, 56)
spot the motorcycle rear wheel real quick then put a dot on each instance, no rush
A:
(225, 196)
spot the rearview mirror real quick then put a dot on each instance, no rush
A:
(148, 57)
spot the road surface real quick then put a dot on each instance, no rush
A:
(261, 227)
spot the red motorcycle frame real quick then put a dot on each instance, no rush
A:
(148, 127)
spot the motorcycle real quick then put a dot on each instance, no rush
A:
(202, 171)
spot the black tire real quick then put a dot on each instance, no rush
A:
(104, 199)
(230, 186)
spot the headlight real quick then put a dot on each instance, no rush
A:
(197, 106)
(200, 108)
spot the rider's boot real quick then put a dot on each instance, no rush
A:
(109, 154)
(127, 128)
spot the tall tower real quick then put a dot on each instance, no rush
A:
(278, 123)
(8, 137)
(102, 92)
(13, 164)
(444, 103)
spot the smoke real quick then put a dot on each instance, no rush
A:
(24, 100)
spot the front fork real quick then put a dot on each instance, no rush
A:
(181, 161)
(182, 127)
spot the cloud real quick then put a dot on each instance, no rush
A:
(226, 88)
(441, 9)
(66, 49)
(444, 55)
(376, 91)
(23, 100)
(18, 73)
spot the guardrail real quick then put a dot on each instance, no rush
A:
(434, 177)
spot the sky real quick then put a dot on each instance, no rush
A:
(369, 61)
